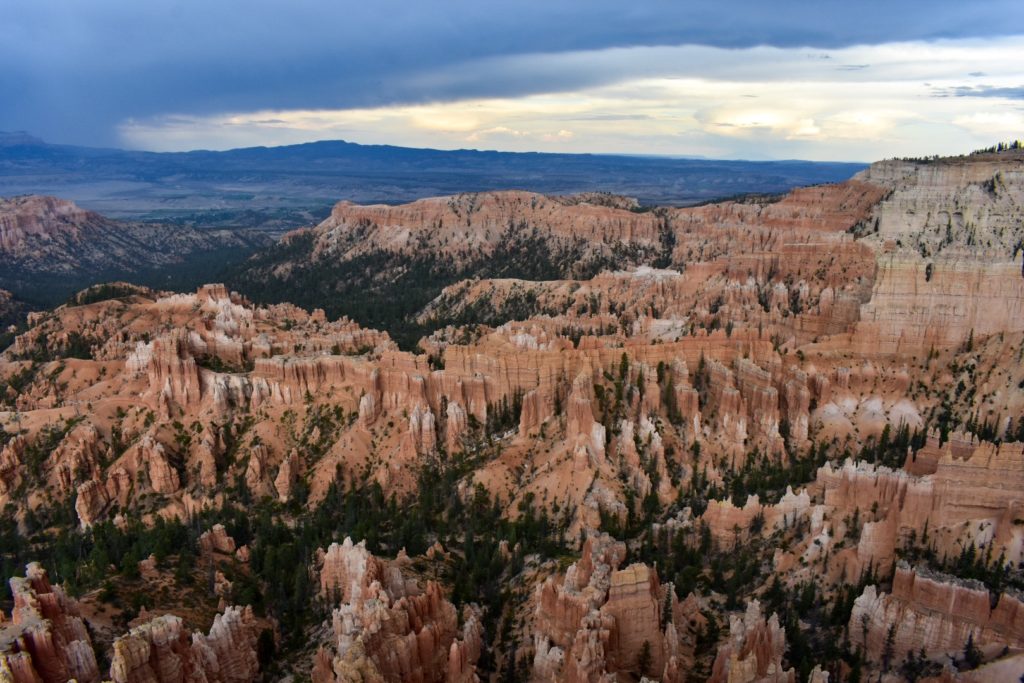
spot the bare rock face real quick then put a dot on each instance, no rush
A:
(92, 500)
(217, 540)
(582, 430)
(46, 639)
(232, 642)
(636, 618)
(754, 651)
(158, 651)
(919, 304)
(769, 333)
(450, 224)
(936, 613)
(731, 525)
(972, 495)
(171, 370)
(367, 409)
(422, 434)
(77, 456)
(456, 425)
(287, 475)
(347, 570)
(948, 261)
(162, 476)
(596, 620)
(463, 654)
(11, 469)
(387, 628)
(25, 218)
(162, 650)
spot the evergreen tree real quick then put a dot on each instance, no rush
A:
(972, 655)
(643, 662)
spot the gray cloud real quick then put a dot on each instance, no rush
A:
(980, 91)
(71, 70)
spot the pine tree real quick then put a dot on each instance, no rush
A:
(889, 649)
(972, 655)
(666, 609)
(643, 662)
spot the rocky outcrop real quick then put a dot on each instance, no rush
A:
(596, 620)
(77, 457)
(46, 640)
(388, 628)
(754, 650)
(11, 469)
(731, 525)
(91, 502)
(163, 477)
(453, 224)
(287, 475)
(937, 614)
(217, 540)
(582, 430)
(677, 356)
(162, 650)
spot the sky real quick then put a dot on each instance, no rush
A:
(853, 80)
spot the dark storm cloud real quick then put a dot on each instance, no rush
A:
(71, 70)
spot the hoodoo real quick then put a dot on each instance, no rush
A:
(779, 439)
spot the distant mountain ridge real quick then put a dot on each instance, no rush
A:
(279, 188)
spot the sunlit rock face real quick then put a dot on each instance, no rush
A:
(971, 497)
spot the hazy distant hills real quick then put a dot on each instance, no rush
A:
(281, 187)
(50, 248)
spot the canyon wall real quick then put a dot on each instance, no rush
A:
(935, 613)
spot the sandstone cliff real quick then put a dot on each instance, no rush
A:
(937, 614)
(948, 241)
